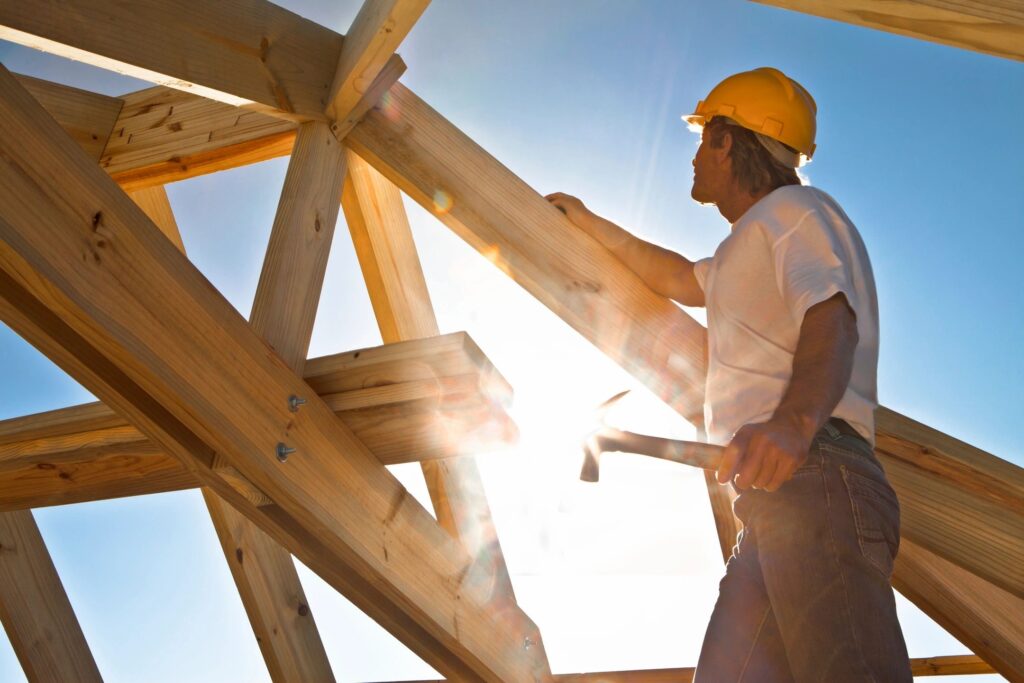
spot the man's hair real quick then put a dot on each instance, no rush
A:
(753, 166)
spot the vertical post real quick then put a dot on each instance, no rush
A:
(398, 291)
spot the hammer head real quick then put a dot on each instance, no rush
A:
(591, 470)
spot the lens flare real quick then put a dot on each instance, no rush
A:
(389, 107)
(443, 202)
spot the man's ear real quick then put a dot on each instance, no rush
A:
(725, 146)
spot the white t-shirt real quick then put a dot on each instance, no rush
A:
(793, 249)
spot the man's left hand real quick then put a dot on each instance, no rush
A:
(763, 456)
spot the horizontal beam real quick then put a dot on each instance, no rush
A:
(422, 399)
(950, 665)
(140, 327)
(989, 26)
(247, 53)
(163, 135)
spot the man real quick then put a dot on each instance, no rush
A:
(791, 393)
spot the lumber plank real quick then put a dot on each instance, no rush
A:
(248, 53)
(398, 292)
(950, 665)
(960, 502)
(139, 326)
(264, 574)
(429, 398)
(163, 135)
(988, 26)
(35, 610)
(87, 117)
(983, 617)
(378, 29)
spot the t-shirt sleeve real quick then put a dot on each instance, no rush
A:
(700, 271)
(810, 266)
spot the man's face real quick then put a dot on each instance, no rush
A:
(709, 170)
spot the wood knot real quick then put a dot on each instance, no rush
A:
(97, 220)
(239, 555)
(303, 610)
(174, 127)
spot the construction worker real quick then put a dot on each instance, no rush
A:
(791, 392)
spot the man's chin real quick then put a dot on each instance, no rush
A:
(700, 197)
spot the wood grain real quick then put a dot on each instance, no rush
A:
(35, 610)
(247, 53)
(87, 117)
(429, 398)
(137, 324)
(989, 26)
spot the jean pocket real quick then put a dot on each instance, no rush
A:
(876, 515)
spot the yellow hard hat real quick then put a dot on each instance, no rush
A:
(765, 101)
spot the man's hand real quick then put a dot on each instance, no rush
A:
(573, 208)
(763, 456)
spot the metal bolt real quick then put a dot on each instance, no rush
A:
(294, 402)
(283, 452)
(527, 643)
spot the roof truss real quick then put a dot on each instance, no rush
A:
(258, 57)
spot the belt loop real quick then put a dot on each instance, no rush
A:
(832, 430)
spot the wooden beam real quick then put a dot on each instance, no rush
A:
(375, 34)
(86, 116)
(163, 135)
(139, 326)
(951, 665)
(247, 53)
(267, 581)
(35, 610)
(983, 617)
(391, 268)
(989, 26)
(429, 398)
(961, 503)
(580, 281)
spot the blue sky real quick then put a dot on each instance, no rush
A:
(920, 143)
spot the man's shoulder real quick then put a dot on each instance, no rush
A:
(788, 207)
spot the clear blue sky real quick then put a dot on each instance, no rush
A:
(920, 143)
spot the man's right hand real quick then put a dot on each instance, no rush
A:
(573, 208)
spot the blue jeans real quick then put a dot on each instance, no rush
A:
(806, 594)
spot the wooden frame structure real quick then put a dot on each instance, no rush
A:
(291, 453)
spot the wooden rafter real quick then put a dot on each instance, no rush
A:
(247, 53)
(35, 610)
(374, 35)
(429, 398)
(398, 291)
(135, 323)
(989, 26)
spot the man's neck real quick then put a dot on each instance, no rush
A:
(733, 206)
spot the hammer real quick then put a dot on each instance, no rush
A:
(608, 440)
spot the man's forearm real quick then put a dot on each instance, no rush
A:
(822, 365)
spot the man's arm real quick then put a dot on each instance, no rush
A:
(766, 455)
(664, 271)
